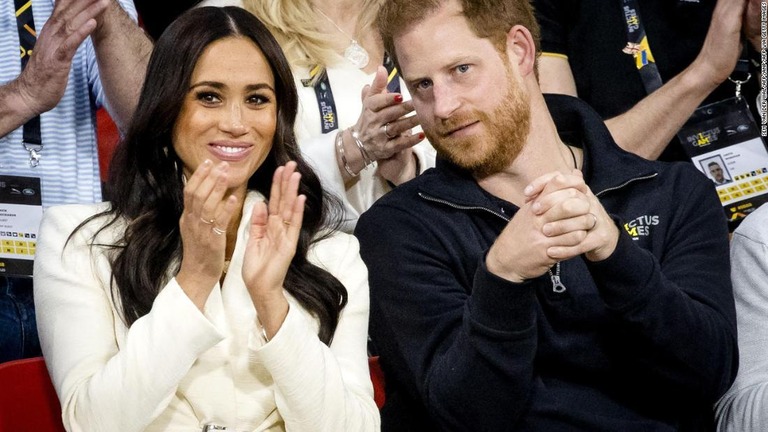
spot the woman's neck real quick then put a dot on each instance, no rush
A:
(346, 15)
(343, 12)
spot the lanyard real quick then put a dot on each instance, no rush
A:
(25, 21)
(325, 103)
(637, 46)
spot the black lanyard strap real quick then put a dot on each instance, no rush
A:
(25, 21)
(318, 79)
(637, 46)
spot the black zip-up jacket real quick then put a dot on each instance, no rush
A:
(642, 341)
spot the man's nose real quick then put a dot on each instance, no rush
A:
(446, 101)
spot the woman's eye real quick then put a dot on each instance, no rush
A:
(208, 97)
(258, 99)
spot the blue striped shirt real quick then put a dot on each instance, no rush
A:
(69, 167)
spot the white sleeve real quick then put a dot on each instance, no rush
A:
(108, 378)
(321, 388)
(425, 154)
(745, 406)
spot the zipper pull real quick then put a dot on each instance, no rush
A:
(557, 284)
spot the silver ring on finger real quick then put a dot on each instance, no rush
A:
(594, 223)
(218, 231)
(386, 132)
(207, 221)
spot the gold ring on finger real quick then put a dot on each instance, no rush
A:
(208, 221)
(287, 222)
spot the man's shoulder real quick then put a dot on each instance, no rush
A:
(408, 192)
(403, 201)
(683, 174)
(753, 226)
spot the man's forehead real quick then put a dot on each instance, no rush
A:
(438, 38)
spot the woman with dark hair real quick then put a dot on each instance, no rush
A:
(213, 291)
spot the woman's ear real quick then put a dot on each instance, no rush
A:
(521, 49)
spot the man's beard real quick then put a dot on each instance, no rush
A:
(506, 130)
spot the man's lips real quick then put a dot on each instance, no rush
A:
(459, 129)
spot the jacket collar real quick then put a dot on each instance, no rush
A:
(606, 166)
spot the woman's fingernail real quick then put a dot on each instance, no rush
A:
(398, 98)
(421, 136)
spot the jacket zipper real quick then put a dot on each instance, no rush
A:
(461, 207)
(557, 284)
(646, 177)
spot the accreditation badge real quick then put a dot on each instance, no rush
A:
(21, 211)
(723, 141)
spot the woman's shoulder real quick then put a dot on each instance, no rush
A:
(334, 251)
(74, 213)
(336, 243)
(65, 218)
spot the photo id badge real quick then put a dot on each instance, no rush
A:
(21, 210)
(723, 141)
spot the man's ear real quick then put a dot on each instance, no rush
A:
(521, 49)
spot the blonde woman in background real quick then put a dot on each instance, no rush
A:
(354, 127)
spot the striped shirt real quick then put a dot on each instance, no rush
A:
(69, 167)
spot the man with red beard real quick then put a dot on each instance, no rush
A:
(539, 278)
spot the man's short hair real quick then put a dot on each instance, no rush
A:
(713, 163)
(489, 19)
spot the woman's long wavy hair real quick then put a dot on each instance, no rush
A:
(146, 177)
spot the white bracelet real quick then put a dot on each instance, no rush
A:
(342, 156)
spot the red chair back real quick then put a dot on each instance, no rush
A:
(28, 401)
(377, 378)
(107, 137)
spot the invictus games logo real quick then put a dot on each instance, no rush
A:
(630, 15)
(704, 138)
(641, 226)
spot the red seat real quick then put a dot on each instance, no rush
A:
(107, 137)
(28, 401)
(377, 378)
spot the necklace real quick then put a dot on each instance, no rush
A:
(355, 54)
(557, 283)
(573, 155)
